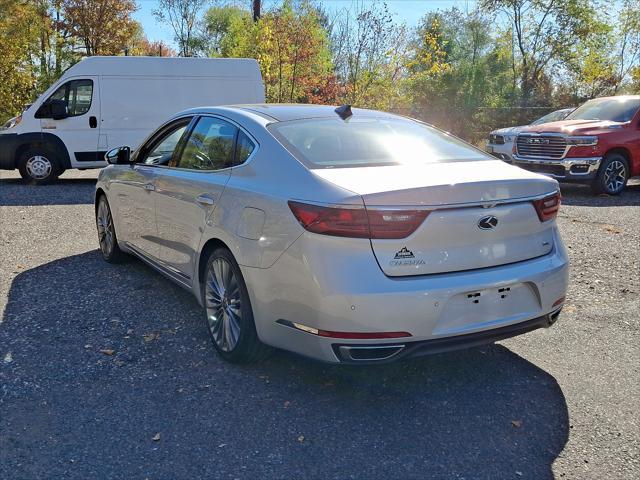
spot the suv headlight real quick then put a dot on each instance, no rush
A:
(582, 141)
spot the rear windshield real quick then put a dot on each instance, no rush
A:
(368, 142)
(612, 109)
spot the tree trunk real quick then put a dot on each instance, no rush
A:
(256, 10)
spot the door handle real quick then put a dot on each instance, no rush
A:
(204, 199)
(93, 122)
(149, 186)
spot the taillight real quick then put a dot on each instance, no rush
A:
(547, 207)
(358, 222)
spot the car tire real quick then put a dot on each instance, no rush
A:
(228, 311)
(612, 176)
(107, 233)
(39, 166)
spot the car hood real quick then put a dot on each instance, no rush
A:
(575, 127)
(508, 130)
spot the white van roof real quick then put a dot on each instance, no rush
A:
(166, 66)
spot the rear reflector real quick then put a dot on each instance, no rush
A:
(346, 335)
(357, 222)
(558, 302)
(547, 207)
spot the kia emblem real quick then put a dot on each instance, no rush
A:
(487, 223)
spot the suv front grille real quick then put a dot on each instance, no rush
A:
(546, 146)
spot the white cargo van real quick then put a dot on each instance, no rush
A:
(105, 102)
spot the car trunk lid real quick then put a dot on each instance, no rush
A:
(481, 214)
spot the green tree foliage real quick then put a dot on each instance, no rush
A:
(19, 38)
(456, 68)
(289, 43)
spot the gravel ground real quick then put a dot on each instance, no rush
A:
(107, 372)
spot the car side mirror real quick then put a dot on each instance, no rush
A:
(58, 109)
(118, 156)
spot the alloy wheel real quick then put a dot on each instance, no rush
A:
(38, 167)
(223, 304)
(615, 175)
(105, 228)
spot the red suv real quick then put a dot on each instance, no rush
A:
(597, 144)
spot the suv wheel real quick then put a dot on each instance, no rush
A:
(39, 166)
(228, 310)
(612, 176)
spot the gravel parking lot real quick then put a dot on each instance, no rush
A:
(108, 372)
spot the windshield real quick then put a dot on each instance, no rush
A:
(619, 109)
(367, 142)
(552, 117)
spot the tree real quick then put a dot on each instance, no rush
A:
(628, 35)
(183, 17)
(104, 27)
(218, 23)
(142, 46)
(544, 32)
(365, 43)
(19, 39)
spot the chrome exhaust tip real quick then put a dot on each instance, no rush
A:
(364, 353)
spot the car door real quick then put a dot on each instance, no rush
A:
(79, 129)
(188, 194)
(134, 188)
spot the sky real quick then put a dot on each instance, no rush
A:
(407, 11)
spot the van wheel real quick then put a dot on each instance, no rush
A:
(39, 166)
(228, 310)
(612, 176)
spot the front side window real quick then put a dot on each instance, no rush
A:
(161, 150)
(210, 145)
(370, 142)
(76, 94)
(615, 109)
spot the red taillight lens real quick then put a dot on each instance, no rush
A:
(395, 223)
(358, 222)
(339, 222)
(547, 207)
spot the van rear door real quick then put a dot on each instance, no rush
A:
(79, 129)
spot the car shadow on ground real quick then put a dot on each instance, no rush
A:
(582, 196)
(14, 192)
(110, 374)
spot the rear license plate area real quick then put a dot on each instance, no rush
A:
(481, 308)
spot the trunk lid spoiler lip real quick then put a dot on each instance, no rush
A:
(443, 206)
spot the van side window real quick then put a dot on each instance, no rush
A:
(244, 148)
(210, 145)
(77, 94)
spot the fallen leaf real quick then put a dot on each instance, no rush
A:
(156, 437)
(149, 337)
(8, 358)
(107, 351)
(287, 403)
(516, 423)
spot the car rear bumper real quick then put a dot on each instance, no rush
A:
(344, 290)
(566, 169)
(384, 353)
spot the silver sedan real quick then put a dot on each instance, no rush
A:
(342, 234)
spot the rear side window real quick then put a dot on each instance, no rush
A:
(210, 145)
(244, 148)
(77, 94)
(368, 142)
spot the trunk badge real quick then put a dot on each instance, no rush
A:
(487, 223)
